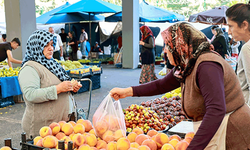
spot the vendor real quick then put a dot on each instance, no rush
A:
(96, 48)
(45, 85)
(211, 93)
(6, 51)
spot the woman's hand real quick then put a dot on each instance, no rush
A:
(141, 43)
(118, 93)
(76, 86)
(64, 86)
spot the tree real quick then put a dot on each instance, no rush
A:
(186, 7)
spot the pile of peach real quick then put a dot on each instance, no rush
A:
(80, 132)
(83, 136)
(157, 141)
(109, 128)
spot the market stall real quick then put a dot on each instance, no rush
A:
(145, 128)
(10, 88)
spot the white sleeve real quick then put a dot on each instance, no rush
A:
(86, 36)
(59, 40)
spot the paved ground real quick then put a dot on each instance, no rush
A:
(10, 117)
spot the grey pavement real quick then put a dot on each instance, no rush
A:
(10, 117)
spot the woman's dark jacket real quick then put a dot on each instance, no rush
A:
(147, 51)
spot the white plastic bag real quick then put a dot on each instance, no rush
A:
(79, 54)
(108, 120)
(163, 71)
(69, 49)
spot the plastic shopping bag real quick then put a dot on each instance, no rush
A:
(79, 54)
(108, 120)
(163, 71)
(69, 49)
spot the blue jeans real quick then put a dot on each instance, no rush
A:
(83, 48)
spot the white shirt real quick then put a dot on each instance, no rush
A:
(58, 42)
(243, 71)
(235, 48)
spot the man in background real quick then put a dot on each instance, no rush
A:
(83, 40)
(63, 36)
(6, 51)
(4, 38)
(58, 50)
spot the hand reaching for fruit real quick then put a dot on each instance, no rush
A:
(119, 93)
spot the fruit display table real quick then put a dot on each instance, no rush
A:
(9, 86)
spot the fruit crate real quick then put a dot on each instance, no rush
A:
(96, 72)
(28, 144)
(96, 81)
(85, 86)
(67, 71)
(80, 75)
(6, 101)
(95, 63)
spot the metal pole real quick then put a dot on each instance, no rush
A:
(89, 31)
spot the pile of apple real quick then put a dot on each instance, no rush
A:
(144, 118)
(168, 108)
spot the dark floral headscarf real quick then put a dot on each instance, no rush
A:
(34, 52)
(146, 31)
(186, 44)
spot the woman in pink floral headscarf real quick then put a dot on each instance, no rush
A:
(147, 55)
(211, 92)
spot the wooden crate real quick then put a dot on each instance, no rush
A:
(119, 59)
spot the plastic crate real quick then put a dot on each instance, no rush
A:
(67, 71)
(79, 76)
(6, 101)
(97, 64)
(87, 63)
(85, 87)
(96, 81)
(97, 72)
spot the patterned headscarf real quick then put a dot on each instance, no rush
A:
(186, 44)
(34, 52)
(146, 31)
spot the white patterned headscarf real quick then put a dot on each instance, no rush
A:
(34, 52)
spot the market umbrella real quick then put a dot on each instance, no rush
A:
(49, 18)
(149, 13)
(91, 7)
(216, 15)
(48, 15)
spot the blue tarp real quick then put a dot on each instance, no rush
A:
(91, 6)
(49, 18)
(149, 13)
(10, 86)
